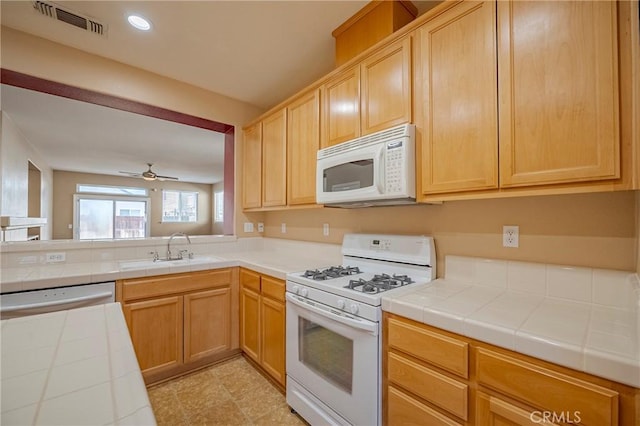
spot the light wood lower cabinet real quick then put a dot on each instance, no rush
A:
(262, 322)
(435, 377)
(180, 322)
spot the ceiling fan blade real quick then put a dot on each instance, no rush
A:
(133, 174)
(166, 177)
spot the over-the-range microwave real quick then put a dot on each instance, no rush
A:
(373, 170)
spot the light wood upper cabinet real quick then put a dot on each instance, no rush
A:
(303, 142)
(558, 91)
(341, 107)
(370, 96)
(252, 167)
(456, 100)
(274, 159)
(385, 99)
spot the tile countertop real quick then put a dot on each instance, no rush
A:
(581, 318)
(100, 261)
(72, 367)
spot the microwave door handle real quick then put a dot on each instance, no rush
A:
(380, 184)
(351, 322)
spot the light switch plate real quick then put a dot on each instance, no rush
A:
(325, 229)
(248, 227)
(283, 228)
(260, 227)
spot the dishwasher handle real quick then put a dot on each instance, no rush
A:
(74, 300)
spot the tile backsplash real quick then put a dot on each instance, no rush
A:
(600, 286)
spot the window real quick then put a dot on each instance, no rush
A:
(103, 216)
(112, 190)
(179, 206)
(218, 206)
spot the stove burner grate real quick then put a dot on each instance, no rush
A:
(331, 272)
(379, 283)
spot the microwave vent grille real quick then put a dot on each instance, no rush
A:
(403, 131)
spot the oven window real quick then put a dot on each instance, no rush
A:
(327, 353)
(349, 176)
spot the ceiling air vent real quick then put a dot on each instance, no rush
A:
(55, 11)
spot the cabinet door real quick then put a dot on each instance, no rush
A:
(303, 142)
(341, 107)
(493, 411)
(207, 323)
(274, 159)
(558, 91)
(252, 167)
(386, 87)
(457, 101)
(250, 323)
(155, 327)
(273, 338)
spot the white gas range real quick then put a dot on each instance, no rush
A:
(333, 326)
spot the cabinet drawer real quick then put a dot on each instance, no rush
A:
(273, 288)
(446, 393)
(140, 288)
(250, 280)
(443, 351)
(404, 410)
(546, 389)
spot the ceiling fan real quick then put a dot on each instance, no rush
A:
(149, 174)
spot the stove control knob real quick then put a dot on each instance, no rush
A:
(304, 292)
(340, 303)
(296, 289)
(353, 308)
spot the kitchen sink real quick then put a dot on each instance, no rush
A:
(163, 263)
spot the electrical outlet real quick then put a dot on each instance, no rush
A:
(248, 227)
(260, 227)
(55, 257)
(510, 236)
(325, 229)
(283, 228)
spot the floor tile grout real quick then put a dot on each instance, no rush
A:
(229, 393)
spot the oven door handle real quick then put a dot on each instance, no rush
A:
(353, 322)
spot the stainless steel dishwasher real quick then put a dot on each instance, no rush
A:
(24, 303)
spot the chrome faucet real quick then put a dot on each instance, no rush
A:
(180, 253)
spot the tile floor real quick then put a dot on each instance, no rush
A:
(230, 393)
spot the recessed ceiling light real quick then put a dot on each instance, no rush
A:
(139, 22)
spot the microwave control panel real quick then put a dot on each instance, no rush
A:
(394, 164)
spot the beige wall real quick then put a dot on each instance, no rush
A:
(216, 227)
(15, 154)
(64, 187)
(42, 58)
(597, 230)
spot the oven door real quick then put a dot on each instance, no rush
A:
(355, 175)
(335, 358)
